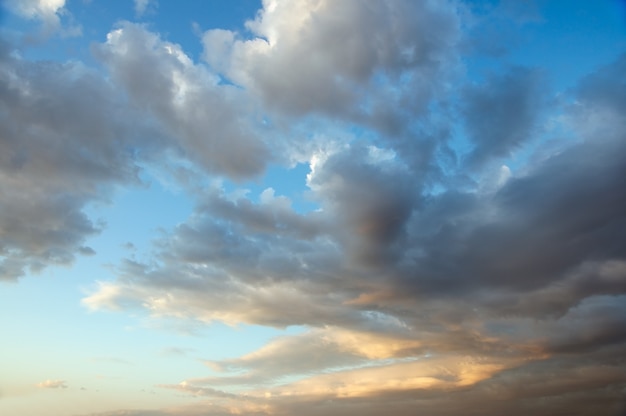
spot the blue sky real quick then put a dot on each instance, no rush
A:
(312, 207)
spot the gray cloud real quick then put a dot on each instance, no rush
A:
(371, 199)
(209, 122)
(379, 241)
(503, 113)
(66, 141)
(427, 283)
(74, 136)
(522, 278)
(331, 58)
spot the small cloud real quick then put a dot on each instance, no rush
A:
(142, 6)
(52, 384)
(175, 351)
(86, 251)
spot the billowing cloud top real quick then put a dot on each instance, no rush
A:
(465, 249)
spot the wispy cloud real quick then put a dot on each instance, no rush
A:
(145, 6)
(52, 384)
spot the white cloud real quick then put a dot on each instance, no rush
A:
(52, 384)
(142, 6)
(350, 59)
(213, 125)
(36, 9)
(49, 12)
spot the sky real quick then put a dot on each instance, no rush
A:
(312, 207)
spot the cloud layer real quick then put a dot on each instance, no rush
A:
(466, 249)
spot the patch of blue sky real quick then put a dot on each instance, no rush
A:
(572, 41)
(287, 181)
(135, 217)
(567, 43)
(184, 22)
(106, 344)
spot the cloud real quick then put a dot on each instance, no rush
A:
(437, 301)
(176, 351)
(48, 12)
(351, 60)
(52, 384)
(503, 113)
(430, 277)
(201, 391)
(372, 199)
(284, 357)
(134, 412)
(48, 171)
(142, 6)
(379, 238)
(210, 123)
(45, 10)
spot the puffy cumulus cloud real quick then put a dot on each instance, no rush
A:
(46, 10)
(52, 384)
(49, 12)
(371, 195)
(370, 61)
(75, 134)
(210, 123)
(65, 141)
